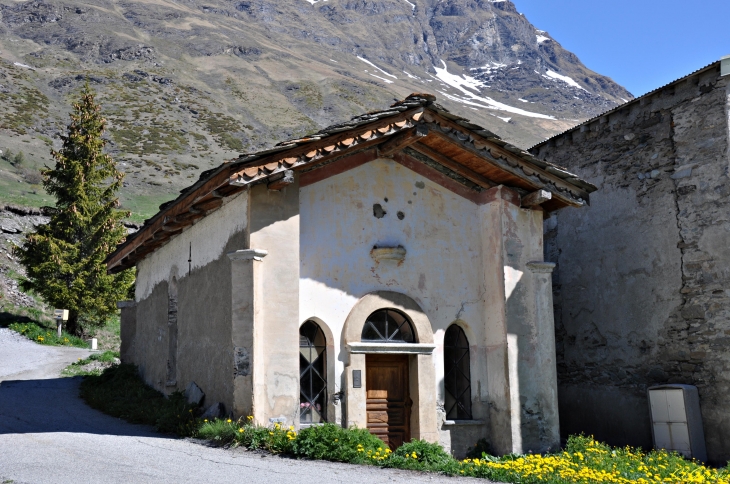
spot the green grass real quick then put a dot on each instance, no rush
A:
(120, 392)
(77, 368)
(22, 108)
(23, 193)
(47, 336)
(109, 336)
(145, 206)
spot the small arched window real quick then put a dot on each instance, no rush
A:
(457, 375)
(388, 326)
(312, 374)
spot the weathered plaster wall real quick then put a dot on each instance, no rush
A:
(209, 238)
(641, 289)
(442, 270)
(204, 351)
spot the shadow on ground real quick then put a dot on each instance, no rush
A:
(6, 318)
(53, 405)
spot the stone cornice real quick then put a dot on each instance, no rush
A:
(248, 254)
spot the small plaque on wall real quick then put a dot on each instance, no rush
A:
(356, 378)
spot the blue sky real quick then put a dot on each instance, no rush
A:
(641, 44)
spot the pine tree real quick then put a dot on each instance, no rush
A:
(64, 259)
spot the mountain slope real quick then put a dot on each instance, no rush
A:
(188, 84)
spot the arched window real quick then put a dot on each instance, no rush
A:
(457, 376)
(312, 374)
(388, 326)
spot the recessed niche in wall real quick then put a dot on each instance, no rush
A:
(396, 254)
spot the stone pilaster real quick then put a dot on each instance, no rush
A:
(520, 344)
(246, 320)
(128, 322)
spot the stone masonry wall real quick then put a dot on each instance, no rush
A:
(642, 286)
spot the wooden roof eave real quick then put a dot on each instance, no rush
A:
(329, 147)
(232, 171)
(211, 191)
(536, 177)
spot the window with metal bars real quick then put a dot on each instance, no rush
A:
(312, 374)
(457, 375)
(388, 326)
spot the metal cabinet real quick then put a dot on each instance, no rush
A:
(676, 422)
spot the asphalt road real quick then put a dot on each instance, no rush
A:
(48, 435)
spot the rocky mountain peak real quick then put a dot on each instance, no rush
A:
(187, 84)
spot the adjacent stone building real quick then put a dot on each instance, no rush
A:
(642, 285)
(387, 273)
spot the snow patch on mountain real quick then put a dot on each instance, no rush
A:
(566, 79)
(464, 82)
(378, 68)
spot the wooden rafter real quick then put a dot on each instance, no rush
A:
(452, 165)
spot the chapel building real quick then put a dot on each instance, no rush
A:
(385, 273)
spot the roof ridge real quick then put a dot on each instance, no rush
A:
(621, 106)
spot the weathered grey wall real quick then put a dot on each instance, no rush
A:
(204, 352)
(641, 289)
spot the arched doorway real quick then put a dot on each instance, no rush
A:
(388, 402)
(390, 330)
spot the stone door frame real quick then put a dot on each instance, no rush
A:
(422, 378)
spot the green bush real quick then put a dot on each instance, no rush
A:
(120, 392)
(423, 456)
(47, 336)
(277, 439)
(334, 443)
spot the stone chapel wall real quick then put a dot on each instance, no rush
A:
(197, 262)
(642, 285)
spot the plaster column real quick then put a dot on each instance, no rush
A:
(356, 398)
(518, 316)
(529, 328)
(128, 323)
(246, 319)
(497, 394)
(546, 385)
(274, 216)
(424, 398)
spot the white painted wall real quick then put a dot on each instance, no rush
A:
(440, 231)
(208, 237)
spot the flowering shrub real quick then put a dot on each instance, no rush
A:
(421, 455)
(332, 442)
(120, 392)
(587, 461)
(583, 461)
(46, 336)
(242, 432)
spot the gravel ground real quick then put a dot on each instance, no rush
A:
(48, 435)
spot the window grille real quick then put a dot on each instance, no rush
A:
(312, 374)
(457, 375)
(388, 326)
